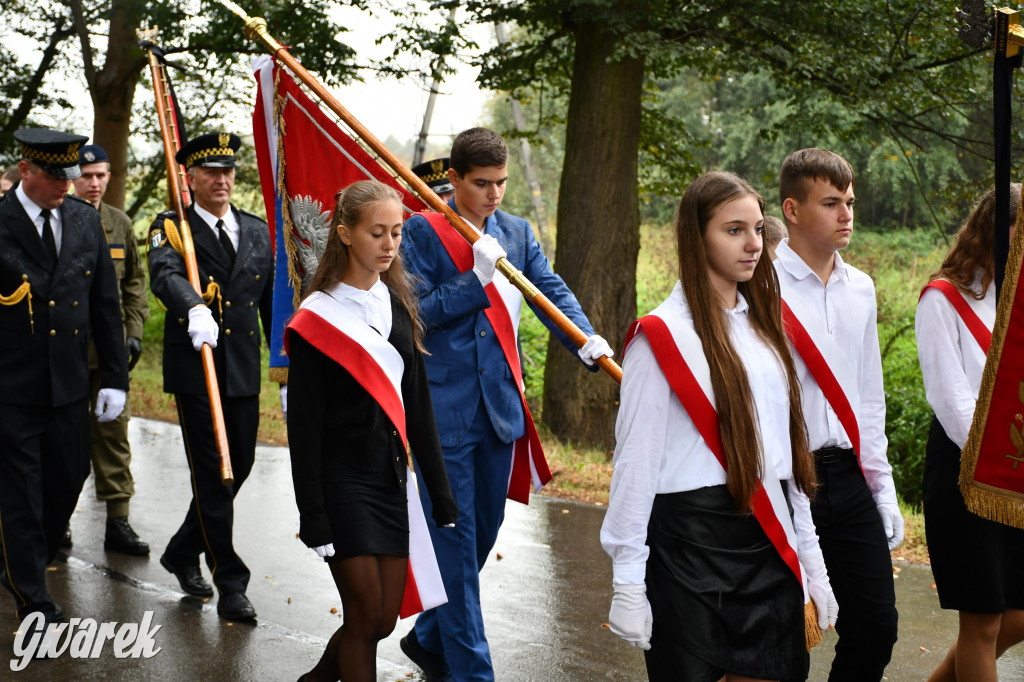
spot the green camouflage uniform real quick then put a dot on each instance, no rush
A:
(111, 455)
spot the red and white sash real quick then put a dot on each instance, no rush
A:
(981, 333)
(827, 364)
(528, 464)
(680, 355)
(378, 367)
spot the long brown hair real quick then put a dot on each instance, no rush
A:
(351, 204)
(737, 420)
(974, 245)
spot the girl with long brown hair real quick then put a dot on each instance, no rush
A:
(358, 394)
(974, 560)
(710, 430)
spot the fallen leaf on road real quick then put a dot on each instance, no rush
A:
(499, 556)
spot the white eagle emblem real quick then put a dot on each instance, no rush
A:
(311, 223)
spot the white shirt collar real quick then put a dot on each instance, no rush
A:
(229, 218)
(378, 292)
(32, 208)
(798, 269)
(677, 293)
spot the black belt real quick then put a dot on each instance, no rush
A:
(832, 455)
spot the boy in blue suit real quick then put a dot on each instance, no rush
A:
(477, 404)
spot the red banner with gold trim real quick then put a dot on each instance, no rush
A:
(992, 462)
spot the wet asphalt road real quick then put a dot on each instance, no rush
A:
(545, 601)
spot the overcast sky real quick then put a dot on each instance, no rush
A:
(387, 107)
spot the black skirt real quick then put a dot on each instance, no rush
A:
(974, 560)
(722, 598)
(366, 507)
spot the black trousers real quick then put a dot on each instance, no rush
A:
(859, 567)
(44, 460)
(208, 522)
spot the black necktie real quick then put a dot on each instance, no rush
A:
(225, 241)
(48, 241)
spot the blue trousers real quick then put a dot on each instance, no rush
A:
(478, 470)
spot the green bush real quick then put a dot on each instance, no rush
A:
(907, 414)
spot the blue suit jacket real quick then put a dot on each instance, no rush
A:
(466, 362)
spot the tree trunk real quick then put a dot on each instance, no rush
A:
(113, 90)
(598, 224)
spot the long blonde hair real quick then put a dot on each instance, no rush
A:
(737, 421)
(350, 207)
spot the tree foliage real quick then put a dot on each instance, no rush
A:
(94, 41)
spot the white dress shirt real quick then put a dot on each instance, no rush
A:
(372, 307)
(35, 214)
(845, 306)
(230, 224)
(951, 360)
(659, 450)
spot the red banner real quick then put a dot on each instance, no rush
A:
(992, 463)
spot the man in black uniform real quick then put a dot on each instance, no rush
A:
(236, 266)
(57, 284)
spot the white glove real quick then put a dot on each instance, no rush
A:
(630, 616)
(202, 328)
(486, 252)
(324, 550)
(892, 523)
(284, 401)
(109, 404)
(595, 347)
(819, 589)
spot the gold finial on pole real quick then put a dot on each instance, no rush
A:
(255, 27)
(1009, 33)
(147, 35)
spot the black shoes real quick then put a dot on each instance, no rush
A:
(235, 606)
(434, 667)
(121, 537)
(190, 579)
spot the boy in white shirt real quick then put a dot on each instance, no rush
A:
(831, 319)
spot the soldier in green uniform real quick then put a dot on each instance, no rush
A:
(111, 454)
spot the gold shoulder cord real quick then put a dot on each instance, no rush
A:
(22, 292)
(212, 289)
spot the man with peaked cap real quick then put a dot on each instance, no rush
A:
(59, 292)
(236, 266)
(111, 453)
(435, 174)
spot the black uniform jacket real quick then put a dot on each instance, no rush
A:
(45, 362)
(246, 293)
(330, 415)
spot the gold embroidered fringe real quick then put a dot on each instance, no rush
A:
(21, 293)
(812, 632)
(995, 504)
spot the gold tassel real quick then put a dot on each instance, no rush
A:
(213, 292)
(812, 632)
(288, 229)
(21, 293)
